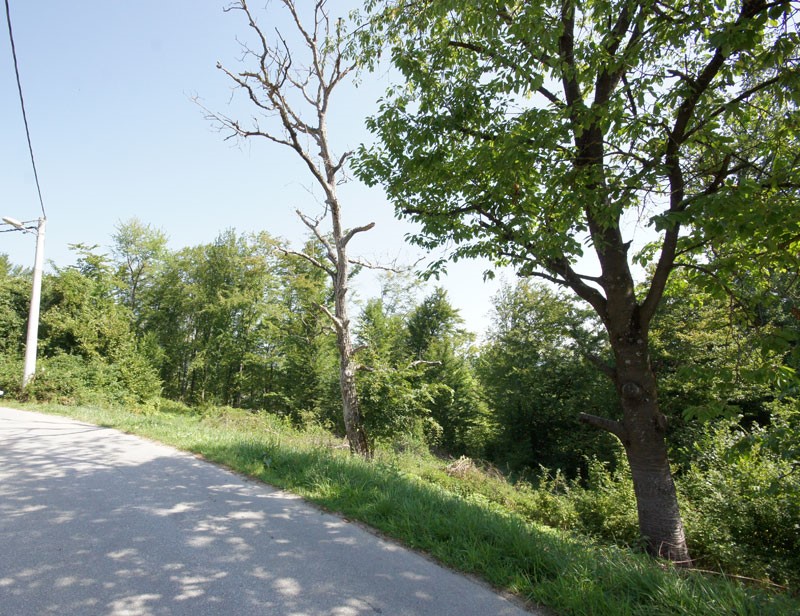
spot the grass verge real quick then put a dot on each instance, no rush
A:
(472, 529)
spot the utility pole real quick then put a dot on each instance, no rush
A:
(32, 340)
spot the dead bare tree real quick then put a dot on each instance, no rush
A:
(291, 85)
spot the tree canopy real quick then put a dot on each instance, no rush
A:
(532, 133)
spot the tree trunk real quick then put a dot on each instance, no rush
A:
(353, 422)
(642, 434)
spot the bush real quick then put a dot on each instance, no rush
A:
(550, 502)
(175, 407)
(606, 506)
(73, 379)
(742, 499)
(10, 375)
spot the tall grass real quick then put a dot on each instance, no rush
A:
(468, 520)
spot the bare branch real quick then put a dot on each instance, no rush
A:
(337, 322)
(313, 224)
(349, 235)
(375, 266)
(603, 423)
(342, 160)
(422, 362)
(315, 262)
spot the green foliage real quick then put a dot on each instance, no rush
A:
(743, 498)
(721, 365)
(395, 402)
(434, 319)
(606, 504)
(418, 383)
(15, 289)
(211, 311)
(536, 382)
(80, 316)
(302, 350)
(464, 517)
(11, 374)
(435, 339)
(482, 144)
(139, 252)
(75, 380)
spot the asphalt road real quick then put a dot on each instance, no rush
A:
(93, 521)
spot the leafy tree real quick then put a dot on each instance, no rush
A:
(434, 319)
(87, 342)
(303, 353)
(527, 131)
(417, 378)
(171, 321)
(211, 315)
(443, 351)
(14, 299)
(397, 402)
(79, 314)
(138, 250)
(537, 382)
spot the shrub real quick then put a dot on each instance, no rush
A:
(10, 375)
(742, 499)
(606, 506)
(73, 379)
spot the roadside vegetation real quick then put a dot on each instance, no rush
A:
(620, 440)
(477, 456)
(467, 517)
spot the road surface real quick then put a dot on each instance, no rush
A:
(93, 521)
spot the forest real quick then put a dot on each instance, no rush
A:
(234, 323)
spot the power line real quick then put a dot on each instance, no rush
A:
(22, 104)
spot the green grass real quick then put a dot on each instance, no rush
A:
(470, 522)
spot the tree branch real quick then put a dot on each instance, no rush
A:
(505, 62)
(315, 262)
(374, 266)
(422, 362)
(676, 138)
(603, 423)
(337, 323)
(598, 363)
(743, 96)
(313, 224)
(349, 235)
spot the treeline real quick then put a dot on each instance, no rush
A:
(237, 322)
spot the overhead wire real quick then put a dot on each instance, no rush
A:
(22, 104)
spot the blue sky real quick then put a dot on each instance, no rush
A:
(108, 87)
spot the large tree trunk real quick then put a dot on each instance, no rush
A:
(642, 434)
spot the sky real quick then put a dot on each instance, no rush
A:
(109, 89)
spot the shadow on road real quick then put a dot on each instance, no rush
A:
(96, 522)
